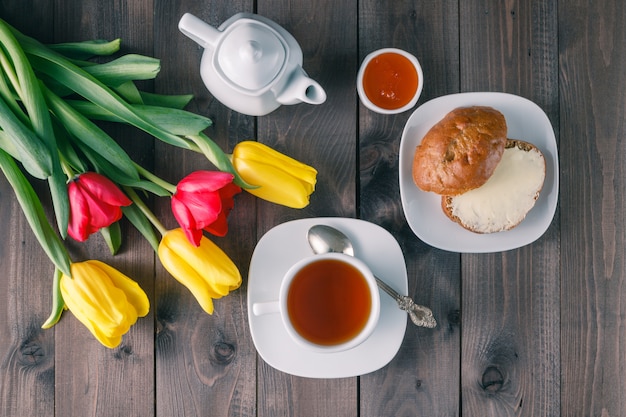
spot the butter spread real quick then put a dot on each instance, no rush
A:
(509, 194)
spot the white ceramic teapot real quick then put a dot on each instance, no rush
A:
(251, 64)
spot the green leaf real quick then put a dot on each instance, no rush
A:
(126, 68)
(57, 183)
(164, 100)
(87, 49)
(6, 92)
(54, 86)
(92, 89)
(178, 122)
(28, 88)
(66, 149)
(34, 213)
(91, 135)
(129, 92)
(142, 224)
(217, 157)
(33, 153)
(58, 305)
(59, 68)
(26, 85)
(104, 167)
(113, 237)
(7, 145)
(150, 187)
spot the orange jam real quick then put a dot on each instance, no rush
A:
(390, 80)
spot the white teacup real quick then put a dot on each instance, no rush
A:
(328, 303)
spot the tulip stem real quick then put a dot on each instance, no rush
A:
(150, 176)
(145, 210)
(67, 169)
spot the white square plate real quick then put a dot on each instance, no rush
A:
(525, 121)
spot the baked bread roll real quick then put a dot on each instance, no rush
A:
(461, 151)
(505, 199)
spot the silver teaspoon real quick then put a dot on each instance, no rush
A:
(324, 239)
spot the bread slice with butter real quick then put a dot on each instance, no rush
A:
(506, 198)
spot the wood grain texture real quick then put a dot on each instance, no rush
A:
(536, 331)
(405, 387)
(27, 352)
(510, 340)
(592, 53)
(325, 137)
(84, 370)
(205, 365)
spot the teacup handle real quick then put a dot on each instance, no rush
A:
(269, 307)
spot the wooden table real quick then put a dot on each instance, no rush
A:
(534, 331)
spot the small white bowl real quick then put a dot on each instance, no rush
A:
(361, 91)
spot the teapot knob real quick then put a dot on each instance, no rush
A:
(251, 52)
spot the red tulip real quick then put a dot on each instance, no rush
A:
(202, 201)
(95, 203)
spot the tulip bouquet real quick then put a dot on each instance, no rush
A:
(51, 100)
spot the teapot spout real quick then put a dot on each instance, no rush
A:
(198, 31)
(301, 89)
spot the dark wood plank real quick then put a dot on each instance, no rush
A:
(91, 379)
(510, 338)
(592, 52)
(427, 364)
(206, 364)
(26, 351)
(530, 343)
(325, 137)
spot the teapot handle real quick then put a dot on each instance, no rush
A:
(198, 30)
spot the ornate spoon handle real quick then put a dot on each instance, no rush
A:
(420, 315)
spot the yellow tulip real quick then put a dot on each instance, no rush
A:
(205, 269)
(106, 301)
(280, 179)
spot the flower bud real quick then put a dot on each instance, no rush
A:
(204, 269)
(202, 201)
(95, 203)
(106, 301)
(280, 178)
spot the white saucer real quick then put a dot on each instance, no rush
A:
(287, 243)
(526, 121)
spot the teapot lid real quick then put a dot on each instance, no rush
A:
(251, 54)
